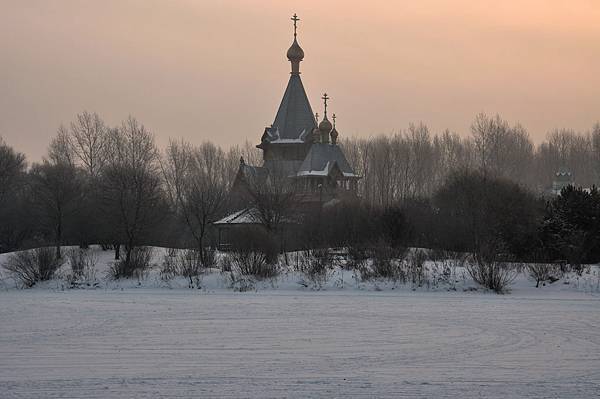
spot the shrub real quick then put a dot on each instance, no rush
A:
(387, 262)
(169, 269)
(254, 253)
(491, 273)
(415, 267)
(446, 264)
(190, 265)
(315, 266)
(253, 263)
(83, 266)
(209, 257)
(358, 257)
(542, 272)
(138, 265)
(30, 267)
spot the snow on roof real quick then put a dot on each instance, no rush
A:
(244, 216)
(322, 158)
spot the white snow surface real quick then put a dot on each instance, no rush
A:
(133, 339)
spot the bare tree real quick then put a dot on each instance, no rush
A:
(12, 168)
(596, 151)
(88, 140)
(196, 181)
(273, 200)
(59, 150)
(56, 188)
(14, 213)
(131, 189)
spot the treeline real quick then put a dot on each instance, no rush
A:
(111, 185)
(493, 219)
(415, 163)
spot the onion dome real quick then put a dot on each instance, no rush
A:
(295, 52)
(334, 133)
(325, 126)
(316, 135)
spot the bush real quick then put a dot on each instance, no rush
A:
(253, 263)
(254, 253)
(358, 257)
(383, 264)
(491, 273)
(446, 264)
(30, 267)
(387, 262)
(188, 263)
(138, 264)
(542, 272)
(415, 267)
(83, 266)
(315, 266)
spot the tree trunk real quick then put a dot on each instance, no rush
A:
(117, 251)
(58, 240)
(128, 249)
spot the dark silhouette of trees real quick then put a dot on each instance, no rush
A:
(197, 186)
(487, 216)
(132, 195)
(571, 226)
(56, 188)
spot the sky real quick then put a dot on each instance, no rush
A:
(216, 70)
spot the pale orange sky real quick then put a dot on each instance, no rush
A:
(217, 70)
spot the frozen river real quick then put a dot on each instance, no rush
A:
(162, 343)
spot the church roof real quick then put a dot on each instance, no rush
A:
(322, 158)
(255, 175)
(294, 120)
(244, 216)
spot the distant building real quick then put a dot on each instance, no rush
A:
(562, 179)
(300, 148)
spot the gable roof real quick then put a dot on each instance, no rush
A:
(244, 216)
(321, 160)
(294, 120)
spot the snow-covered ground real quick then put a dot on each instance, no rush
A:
(283, 340)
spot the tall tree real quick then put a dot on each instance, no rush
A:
(56, 188)
(196, 181)
(131, 188)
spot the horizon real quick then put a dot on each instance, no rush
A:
(439, 64)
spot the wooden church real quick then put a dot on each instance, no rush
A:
(298, 148)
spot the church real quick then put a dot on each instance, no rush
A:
(301, 149)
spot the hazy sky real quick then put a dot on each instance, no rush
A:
(217, 69)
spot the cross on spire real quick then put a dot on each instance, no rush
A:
(317, 116)
(325, 98)
(295, 19)
(333, 117)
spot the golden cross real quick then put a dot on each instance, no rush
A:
(325, 98)
(295, 19)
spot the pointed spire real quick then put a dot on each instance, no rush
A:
(295, 53)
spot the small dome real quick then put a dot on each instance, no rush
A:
(316, 135)
(325, 126)
(295, 52)
(334, 135)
